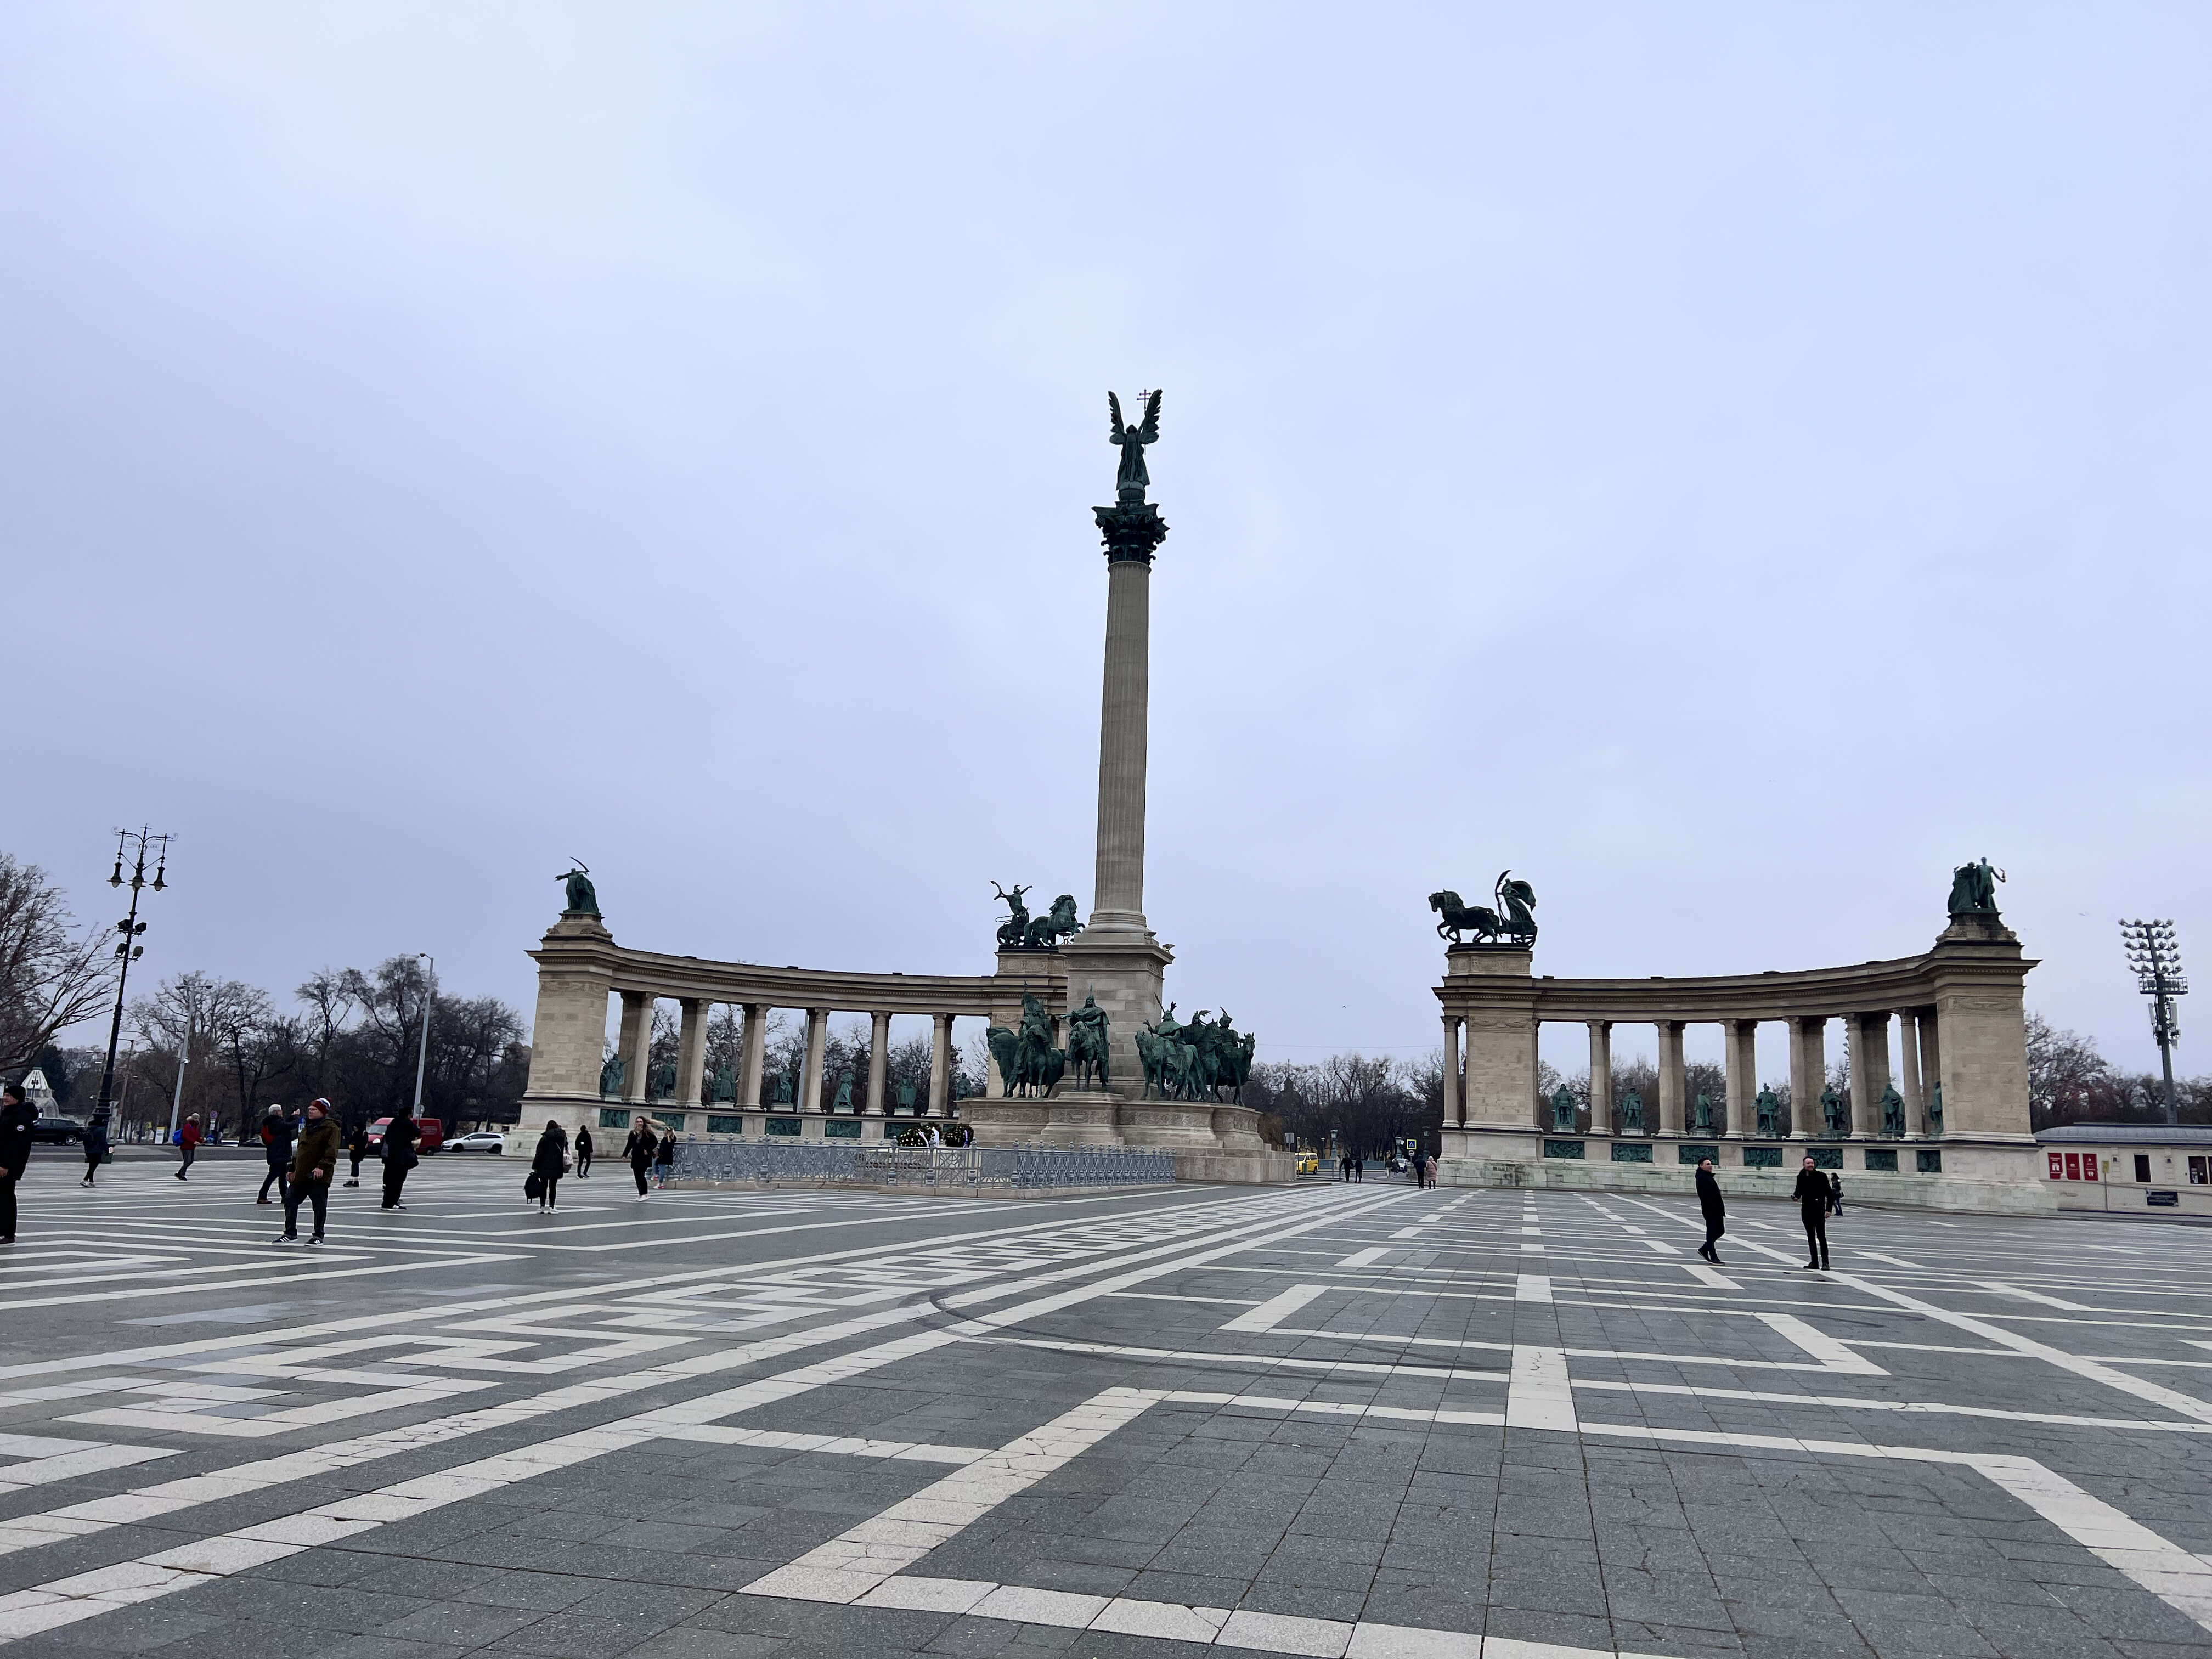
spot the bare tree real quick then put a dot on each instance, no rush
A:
(49, 980)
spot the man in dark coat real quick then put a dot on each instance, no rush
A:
(357, 1149)
(583, 1151)
(17, 1114)
(400, 1136)
(1812, 1195)
(276, 1151)
(1710, 1200)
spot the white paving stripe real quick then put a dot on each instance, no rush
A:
(1276, 1309)
(1538, 1396)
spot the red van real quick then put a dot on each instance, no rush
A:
(432, 1136)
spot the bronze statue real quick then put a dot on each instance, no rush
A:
(1027, 1062)
(1893, 1113)
(1088, 1045)
(1511, 922)
(610, 1077)
(1936, 1112)
(1046, 933)
(583, 901)
(1563, 1110)
(1769, 1113)
(1016, 926)
(661, 1080)
(726, 1083)
(1834, 1112)
(1632, 1113)
(1132, 480)
(1974, 889)
(1703, 1120)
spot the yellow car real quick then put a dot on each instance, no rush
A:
(1308, 1163)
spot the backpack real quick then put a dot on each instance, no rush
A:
(533, 1186)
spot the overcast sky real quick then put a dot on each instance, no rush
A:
(1730, 463)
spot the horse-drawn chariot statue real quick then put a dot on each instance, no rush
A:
(1513, 922)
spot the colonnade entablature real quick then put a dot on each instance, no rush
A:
(580, 967)
(1954, 1014)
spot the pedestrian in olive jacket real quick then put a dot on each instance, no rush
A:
(1716, 1209)
(314, 1162)
(1812, 1195)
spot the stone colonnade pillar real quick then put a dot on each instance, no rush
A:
(1455, 1113)
(941, 1063)
(753, 1048)
(879, 1053)
(1908, 1055)
(1808, 1075)
(1742, 1077)
(1869, 1037)
(691, 1053)
(636, 1044)
(1670, 1076)
(1931, 1065)
(810, 1075)
(569, 1040)
(1601, 1081)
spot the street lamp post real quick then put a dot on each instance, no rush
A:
(429, 1000)
(2155, 957)
(130, 927)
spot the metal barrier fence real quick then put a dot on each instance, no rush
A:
(727, 1163)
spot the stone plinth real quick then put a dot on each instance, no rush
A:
(1126, 972)
(1068, 1118)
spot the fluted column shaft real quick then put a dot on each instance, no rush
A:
(879, 1051)
(810, 1077)
(1453, 1114)
(753, 1046)
(1601, 1102)
(941, 1063)
(1118, 895)
(691, 1053)
(636, 1044)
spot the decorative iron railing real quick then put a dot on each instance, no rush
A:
(739, 1163)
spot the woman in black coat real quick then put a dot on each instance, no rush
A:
(550, 1163)
(1812, 1195)
(638, 1150)
(1714, 1208)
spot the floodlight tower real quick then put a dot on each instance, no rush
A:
(2156, 959)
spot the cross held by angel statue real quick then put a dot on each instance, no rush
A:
(1131, 482)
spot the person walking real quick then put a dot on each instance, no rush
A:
(357, 1148)
(638, 1150)
(1714, 1208)
(17, 1117)
(1812, 1195)
(583, 1150)
(550, 1163)
(95, 1145)
(315, 1161)
(188, 1142)
(663, 1159)
(276, 1151)
(1835, 1194)
(400, 1136)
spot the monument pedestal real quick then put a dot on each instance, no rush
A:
(1069, 1118)
(1126, 971)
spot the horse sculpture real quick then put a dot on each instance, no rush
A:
(1028, 1062)
(1055, 925)
(1512, 922)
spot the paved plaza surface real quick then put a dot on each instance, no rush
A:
(1328, 1420)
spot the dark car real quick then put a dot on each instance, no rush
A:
(58, 1131)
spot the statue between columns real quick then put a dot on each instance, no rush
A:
(1563, 1110)
(1632, 1112)
(1769, 1113)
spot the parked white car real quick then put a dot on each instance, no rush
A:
(482, 1140)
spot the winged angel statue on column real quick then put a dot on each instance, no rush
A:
(1133, 480)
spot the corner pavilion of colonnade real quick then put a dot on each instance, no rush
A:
(1958, 1013)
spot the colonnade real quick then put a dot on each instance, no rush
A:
(1866, 1043)
(634, 1046)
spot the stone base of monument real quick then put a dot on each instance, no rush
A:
(1069, 1118)
(1992, 1174)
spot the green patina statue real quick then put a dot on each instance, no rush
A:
(1769, 1113)
(1703, 1120)
(1012, 930)
(1974, 889)
(583, 900)
(786, 1088)
(842, 1100)
(726, 1083)
(1563, 1110)
(1088, 1044)
(1832, 1112)
(661, 1080)
(1632, 1112)
(610, 1077)
(1511, 923)
(1131, 479)
(1046, 933)
(1029, 1062)
(1893, 1113)
(1936, 1112)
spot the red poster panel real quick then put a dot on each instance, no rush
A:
(2088, 1166)
(2073, 1166)
(2058, 1166)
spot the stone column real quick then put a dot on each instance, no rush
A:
(1501, 1034)
(1670, 1076)
(568, 1043)
(1979, 976)
(636, 1044)
(1600, 1100)
(1808, 1075)
(810, 1075)
(1931, 1065)
(941, 1063)
(879, 1055)
(691, 1053)
(1742, 1077)
(1908, 1055)
(1869, 1037)
(752, 1049)
(1454, 1114)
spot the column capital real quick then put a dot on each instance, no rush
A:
(1132, 531)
